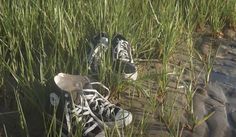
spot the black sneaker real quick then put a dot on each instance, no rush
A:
(71, 113)
(105, 113)
(98, 46)
(122, 57)
(76, 100)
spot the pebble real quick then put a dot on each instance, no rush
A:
(229, 33)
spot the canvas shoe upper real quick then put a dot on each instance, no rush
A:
(98, 47)
(86, 104)
(122, 57)
(66, 102)
(105, 112)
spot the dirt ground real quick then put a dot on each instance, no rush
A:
(215, 99)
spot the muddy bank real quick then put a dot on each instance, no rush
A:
(213, 104)
(220, 97)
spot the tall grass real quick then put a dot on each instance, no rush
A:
(40, 38)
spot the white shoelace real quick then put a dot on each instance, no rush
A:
(106, 88)
(99, 102)
(122, 51)
(81, 111)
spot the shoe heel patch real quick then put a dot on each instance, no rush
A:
(54, 99)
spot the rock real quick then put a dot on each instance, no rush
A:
(200, 112)
(205, 44)
(233, 116)
(222, 51)
(216, 93)
(217, 123)
(230, 34)
(206, 48)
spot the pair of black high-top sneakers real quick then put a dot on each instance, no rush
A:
(79, 107)
(121, 55)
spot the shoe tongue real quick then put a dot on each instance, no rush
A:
(72, 85)
(75, 97)
(104, 40)
(114, 110)
(69, 82)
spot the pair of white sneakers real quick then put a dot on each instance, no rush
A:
(75, 100)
